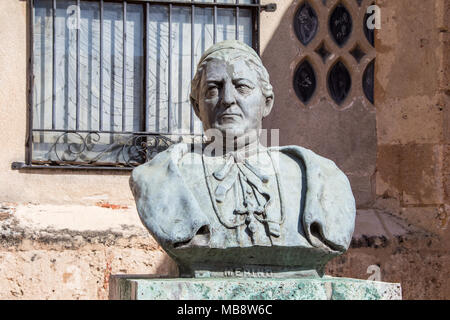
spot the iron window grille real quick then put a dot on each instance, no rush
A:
(66, 129)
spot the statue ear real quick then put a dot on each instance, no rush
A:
(195, 106)
(268, 106)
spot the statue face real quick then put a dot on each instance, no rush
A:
(230, 98)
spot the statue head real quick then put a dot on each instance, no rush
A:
(231, 91)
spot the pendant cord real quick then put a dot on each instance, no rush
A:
(262, 220)
(216, 208)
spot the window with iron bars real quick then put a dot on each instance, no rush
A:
(110, 80)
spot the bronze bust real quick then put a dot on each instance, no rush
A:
(233, 203)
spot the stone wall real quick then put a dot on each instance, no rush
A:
(403, 228)
(62, 233)
(412, 173)
(69, 252)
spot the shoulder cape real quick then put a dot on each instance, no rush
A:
(171, 213)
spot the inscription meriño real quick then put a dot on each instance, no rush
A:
(248, 273)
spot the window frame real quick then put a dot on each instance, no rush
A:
(159, 138)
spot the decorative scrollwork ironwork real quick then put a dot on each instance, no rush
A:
(93, 148)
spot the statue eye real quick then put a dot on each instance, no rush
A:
(243, 88)
(212, 91)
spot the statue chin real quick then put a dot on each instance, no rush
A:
(234, 131)
(230, 128)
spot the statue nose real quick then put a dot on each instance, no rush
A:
(228, 97)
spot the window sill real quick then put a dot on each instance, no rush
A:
(24, 166)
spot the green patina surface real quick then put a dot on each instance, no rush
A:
(325, 288)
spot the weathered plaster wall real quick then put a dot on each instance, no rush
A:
(69, 252)
(62, 233)
(43, 186)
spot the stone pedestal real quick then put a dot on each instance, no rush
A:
(326, 288)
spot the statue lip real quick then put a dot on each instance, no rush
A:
(231, 115)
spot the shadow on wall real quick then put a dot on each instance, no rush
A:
(166, 267)
(344, 133)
